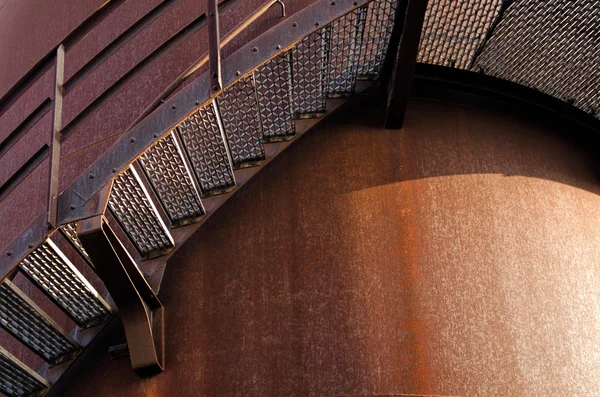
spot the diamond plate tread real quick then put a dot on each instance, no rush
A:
(346, 38)
(133, 209)
(164, 165)
(454, 30)
(376, 37)
(52, 272)
(241, 121)
(275, 97)
(70, 230)
(207, 150)
(18, 380)
(310, 73)
(25, 321)
(549, 46)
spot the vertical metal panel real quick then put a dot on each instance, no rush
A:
(171, 179)
(274, 87)
(206, 146)
(346, 37)
(131, 206)
(242, 123)
(310, 74)
(376, 37)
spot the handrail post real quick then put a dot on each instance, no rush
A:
(53, 167)
(214, 47)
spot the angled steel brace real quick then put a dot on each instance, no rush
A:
(141, 311)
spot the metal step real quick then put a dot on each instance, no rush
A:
(17, 379)
(238, 106)
(344, 51)
(50, 270)
(131, 206)
(22, 318)
(275, 93)
(172, 180)
(376, 37)
(205, 144)
(310, 74)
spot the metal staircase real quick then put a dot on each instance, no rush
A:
(161, 197)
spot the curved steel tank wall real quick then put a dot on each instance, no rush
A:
(457, 256)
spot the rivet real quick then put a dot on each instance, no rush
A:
(295, 24)
(333, 3)
(72, 207)
(197, 103)
(238, 73)
(155, 135)
(91, 176)
(316, 23)
(356, 3)
(254, 49)
(30, 246)
(214, 75)
(8, 253)
(132, 140)
(278, 47)
(216, 88)
(114, 170)
(173, 107)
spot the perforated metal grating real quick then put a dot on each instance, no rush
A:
(241, 120)
(133, 209)
(171, 179)
(274, 86)
(551, 46)
(54, 274)
(454, 30)
(70, 230)
(206, 147)
(346, 40)
(310, 73)
(24, 320)
(16, 379)
(376, 36)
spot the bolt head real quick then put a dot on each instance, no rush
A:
(295, 24)
(173, 107)
(254, 49)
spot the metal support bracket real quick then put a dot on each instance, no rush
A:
(404, 61)
(141, 311)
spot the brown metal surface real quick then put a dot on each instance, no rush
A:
(140, 309)
(457, 256)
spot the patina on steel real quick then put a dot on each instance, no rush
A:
(140, 309)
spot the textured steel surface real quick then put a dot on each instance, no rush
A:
(70, 230)
(238, 106)
(16, 380)
(171, 179)
(131, 206)
(206, 146)
(53, 273)
(274, 87)
(310, 73)
(376, 36)
(552, 47)
(467, 268)
(453, 31)
(344, 51)
(32, 328)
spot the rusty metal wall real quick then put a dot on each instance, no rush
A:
(457, 256)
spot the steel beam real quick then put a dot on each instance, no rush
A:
(404, 62)
(53, 169)
(139, 307)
